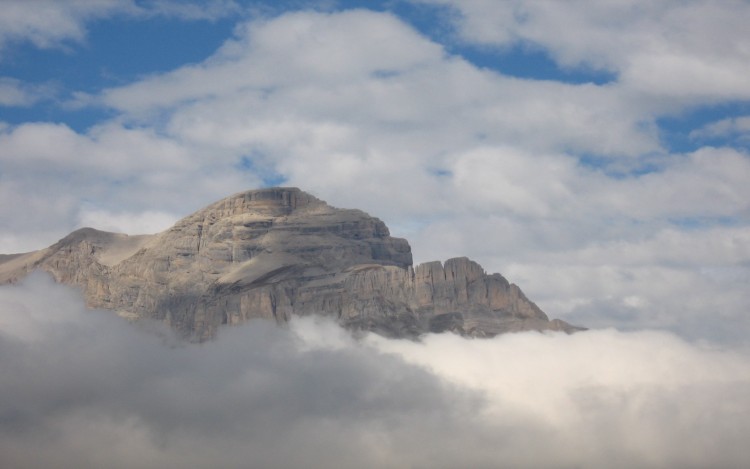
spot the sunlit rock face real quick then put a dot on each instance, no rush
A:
(273, 253)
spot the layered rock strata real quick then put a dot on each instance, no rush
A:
(274, 253)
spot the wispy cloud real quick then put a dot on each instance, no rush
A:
(15, 93)
(50, 23)
(730, 127)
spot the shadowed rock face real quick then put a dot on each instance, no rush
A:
(274, 253)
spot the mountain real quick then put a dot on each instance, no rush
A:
(274, 253)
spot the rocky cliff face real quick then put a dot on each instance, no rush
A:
(274, 253)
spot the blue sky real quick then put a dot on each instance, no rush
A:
(595, 153)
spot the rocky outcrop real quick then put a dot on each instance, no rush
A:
(274, 253)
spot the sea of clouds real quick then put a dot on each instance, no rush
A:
(84, 388)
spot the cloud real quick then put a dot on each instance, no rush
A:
(365, 73)
(61, 178)
(364, 95)
(191, 10)
(700, 185)
(84, 388)
(15, 93)
(126, 222)
(50, 23)
(730, 127)
(673, 50)
(592, 399)
(707, 302)
(316, 47)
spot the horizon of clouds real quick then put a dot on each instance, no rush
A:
(85, 388)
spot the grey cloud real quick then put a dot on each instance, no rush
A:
(708, 302)
(253, 393)
(84, 388)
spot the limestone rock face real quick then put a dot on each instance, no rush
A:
(274, 253)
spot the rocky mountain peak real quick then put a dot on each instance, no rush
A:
(274, 253)
(270, 202)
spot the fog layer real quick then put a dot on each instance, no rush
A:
(82, 388)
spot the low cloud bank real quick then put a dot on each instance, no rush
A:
(82, 388)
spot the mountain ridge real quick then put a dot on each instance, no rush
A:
(275, 253)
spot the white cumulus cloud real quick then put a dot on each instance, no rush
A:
(671, 50)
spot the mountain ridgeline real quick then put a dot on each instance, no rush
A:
(276, 253)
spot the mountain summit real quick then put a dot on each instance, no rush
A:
(274, 253)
